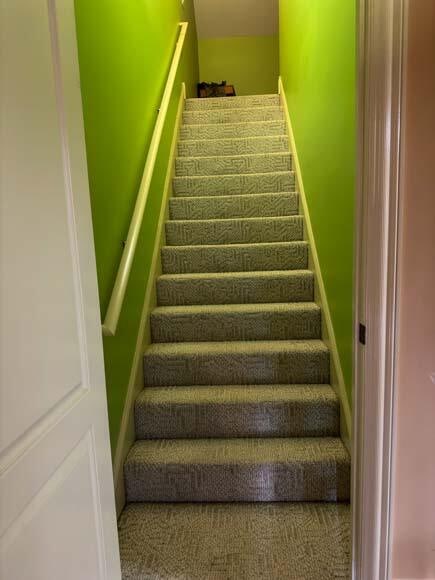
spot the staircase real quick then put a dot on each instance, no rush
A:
(237, 411)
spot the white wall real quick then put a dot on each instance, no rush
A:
(221, 18)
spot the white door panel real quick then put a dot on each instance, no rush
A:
(59, 526)
(37, 270)
(57, 514)
(39, 455)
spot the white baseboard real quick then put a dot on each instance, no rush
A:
(135, 384)
(328, 335)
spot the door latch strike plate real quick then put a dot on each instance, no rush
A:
(362, 333)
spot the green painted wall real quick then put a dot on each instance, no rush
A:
(317, 64)
(125, 50)
(251, 63)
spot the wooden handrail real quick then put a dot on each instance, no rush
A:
(118, 293)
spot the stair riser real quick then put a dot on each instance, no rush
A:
(267, 205)
(246, 146)
(173, 292)
(237, 368)
(214, 327)
(232, 102)
(233, 116)
(234, 184)
(228, 131)
(245, 420)
(233, 165)
(292, 481)
(253, 230)
(195, 259)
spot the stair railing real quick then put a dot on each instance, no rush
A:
(121, 281)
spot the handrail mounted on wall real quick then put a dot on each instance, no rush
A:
(118, 293)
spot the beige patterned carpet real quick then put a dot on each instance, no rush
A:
(235, 541)
(237, 405)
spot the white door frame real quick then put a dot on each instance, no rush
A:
(381, 40)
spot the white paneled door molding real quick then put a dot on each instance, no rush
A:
(57, 510)
(381, 44)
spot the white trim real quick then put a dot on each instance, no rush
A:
(381, 42)
(135, 384)
(337, 379)
(118, 293)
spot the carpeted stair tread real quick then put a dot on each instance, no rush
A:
(218, 451)
(236, 322)
(229, 131)
(235, 287)
(238, 362)
(239, 184)
(237, 411)
(233, 164)
(245, 541)
(243, 102)
(234, 231)
(232, 206)
(248, 469)
(234, 146)
(235, 257)
(238, 115)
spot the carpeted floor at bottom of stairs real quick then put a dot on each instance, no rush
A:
(236, 541)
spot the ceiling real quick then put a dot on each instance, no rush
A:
(220, 18)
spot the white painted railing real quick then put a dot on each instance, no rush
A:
(118, 293)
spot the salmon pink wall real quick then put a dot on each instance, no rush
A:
(414, 465)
